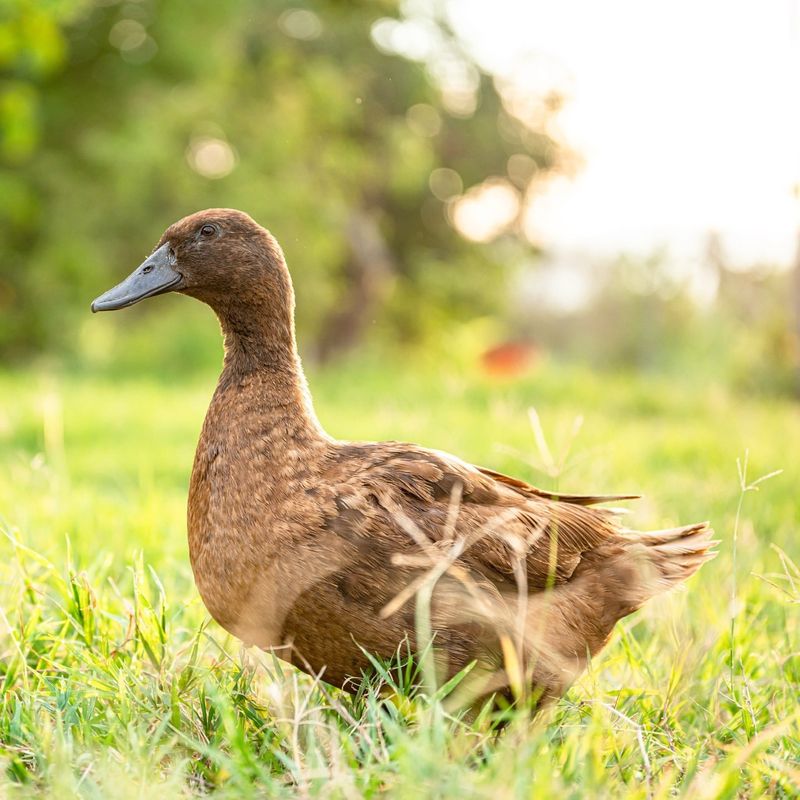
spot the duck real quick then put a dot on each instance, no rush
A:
(332, 553)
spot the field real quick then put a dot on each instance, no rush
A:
(116, 684)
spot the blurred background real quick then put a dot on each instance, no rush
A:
(496, 184)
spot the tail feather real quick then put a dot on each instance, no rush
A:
(669, 534)
(610, 582)
(696, 542)
(671, 556)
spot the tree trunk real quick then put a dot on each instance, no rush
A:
(369, 271)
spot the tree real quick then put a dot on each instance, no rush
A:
(320, 121)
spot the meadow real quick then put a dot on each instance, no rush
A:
(116, 683)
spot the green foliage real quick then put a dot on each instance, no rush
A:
(119, 118)
(114, 682)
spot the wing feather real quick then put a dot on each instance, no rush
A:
(575, 499)
(502, 520)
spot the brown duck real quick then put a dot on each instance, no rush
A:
(322, 549)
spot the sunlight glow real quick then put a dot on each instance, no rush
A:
(685, 115)
(485, 211)
(210, 157)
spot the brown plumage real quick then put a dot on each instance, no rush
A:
(315, 547)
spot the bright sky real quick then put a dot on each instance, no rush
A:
(687, 113)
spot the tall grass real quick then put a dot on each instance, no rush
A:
(115, 683)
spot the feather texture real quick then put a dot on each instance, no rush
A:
(316, 548)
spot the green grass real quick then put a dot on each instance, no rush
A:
(115, 683)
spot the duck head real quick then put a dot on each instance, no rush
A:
(220, 256)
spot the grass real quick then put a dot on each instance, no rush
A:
(115, 683)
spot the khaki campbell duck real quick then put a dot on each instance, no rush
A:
(321, 549)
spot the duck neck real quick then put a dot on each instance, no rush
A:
(261, 350)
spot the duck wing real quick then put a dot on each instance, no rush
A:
(414, 495)
(577, 499)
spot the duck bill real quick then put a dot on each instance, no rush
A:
(156, 275)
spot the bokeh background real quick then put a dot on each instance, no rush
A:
(499, 185)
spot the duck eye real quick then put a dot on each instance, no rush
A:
(207, 230)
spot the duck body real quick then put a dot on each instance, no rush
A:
(316, 548)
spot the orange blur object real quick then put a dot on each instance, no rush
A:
(509, 359)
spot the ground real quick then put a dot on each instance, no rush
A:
(115, 682)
